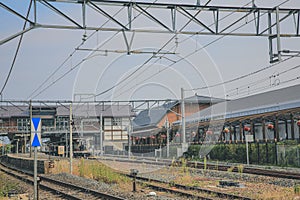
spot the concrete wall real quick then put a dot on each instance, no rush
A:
(25, 163)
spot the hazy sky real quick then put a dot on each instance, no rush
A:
(44, 50)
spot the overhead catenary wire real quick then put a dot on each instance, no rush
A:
(222, 83)
(80, 62)
(245, 75)
(68, 58)
(246, 88)
(176, 43)
(17, 51)
(188, 55)
(232, 80)
(148, 60)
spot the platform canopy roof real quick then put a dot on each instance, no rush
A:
(276, 100)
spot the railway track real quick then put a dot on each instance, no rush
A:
(194, 192)
(248, 170)
(219, 167)
(62, 189)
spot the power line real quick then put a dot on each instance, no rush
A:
(208, 44)
(226, 82)
(17, 51)
(182, 42)
(169, 65)
(239, 90)
(70, 56)
(61, 77)
(245, 75)
(148, 60)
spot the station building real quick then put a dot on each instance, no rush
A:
(88, 120)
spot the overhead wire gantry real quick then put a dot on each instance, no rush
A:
(183, 19)
(267, 21)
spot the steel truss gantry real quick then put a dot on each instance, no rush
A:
(174, 18)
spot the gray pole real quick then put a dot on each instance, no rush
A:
(71, 140)
(30, 149)
(183, 116)
(65, 128)
(35, 174)
(247, 152)
(278, 33)
(184, 145)
(168, 138)
(101, 136)
(35, 194)
(129, 138)
(25, 138)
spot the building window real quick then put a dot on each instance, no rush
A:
(117, 121)
(23, 124)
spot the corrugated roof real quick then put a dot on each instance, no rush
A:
(276, 100)
(149, 118)
(88, 110)
(14, 111)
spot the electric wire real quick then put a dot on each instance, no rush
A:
(247, 87)
(182, 42)
(178, 60)
(17, 51)
(80, 62)
(188, 55)
(245, 75)
(229, 81)
(148, 60)
(70, 56)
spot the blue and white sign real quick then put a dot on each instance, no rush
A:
(36, 132)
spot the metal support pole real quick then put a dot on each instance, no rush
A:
(101, 136)
(247, 152)
(35, 11)
(35, 194)
(30, 149)
(35, 174)
(84, 14)
(183, 116)
(129, 138)
(278, 34)
(71, 140)
(129, 15)
(25, 137)
(168, 138)
(270, 37)
(184, 144)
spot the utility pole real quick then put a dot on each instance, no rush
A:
(184, 144)
(30, 110)
(101, 136)
(168, 138)
(129, 138)
(71, 140)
